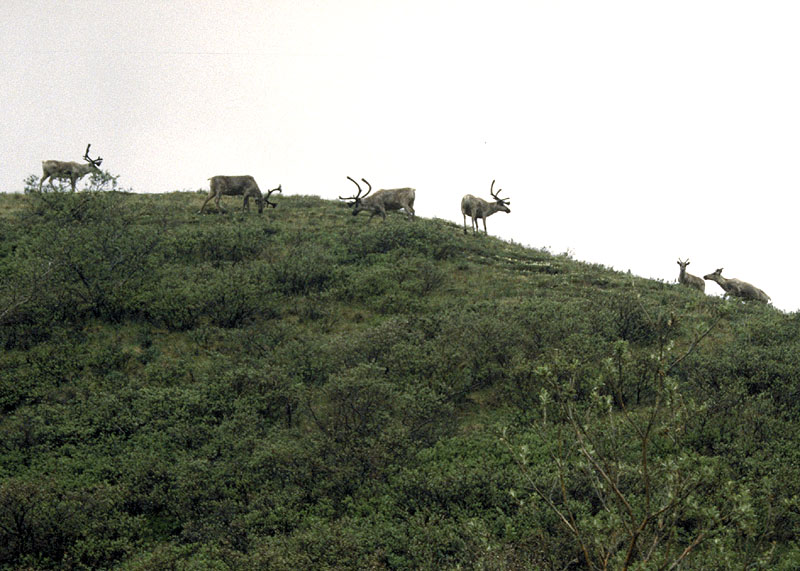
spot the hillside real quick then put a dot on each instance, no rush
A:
(308, 390)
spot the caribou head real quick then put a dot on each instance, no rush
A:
(355, 202)
(94, 162)
(269, 193)
(500, 203)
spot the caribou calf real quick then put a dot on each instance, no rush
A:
(738, 288)
(237, 186)
(688, 279)
(476, 208)
(382, 200)
(69, 170)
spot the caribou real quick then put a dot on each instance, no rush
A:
(382, 200)
(738, 288)
(475, 208)
(688, 279)
(71, 170)
(238, 186)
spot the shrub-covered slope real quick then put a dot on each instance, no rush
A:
(307, 389)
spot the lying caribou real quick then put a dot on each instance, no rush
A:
(238, 186)
(382, 200)
(737, 288)
(71, 170)
(475, 208)
(688, 279)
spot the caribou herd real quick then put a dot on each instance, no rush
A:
(379, 203)
(731, 286)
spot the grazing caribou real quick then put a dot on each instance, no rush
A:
(238, 186)
(737, 288)
(688, 279)
(475, 208)
(382, 200)
(65, 169)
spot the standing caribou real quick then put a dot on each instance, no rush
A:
(737, 288)
(475, 208)
(688, 279)
(382, 200)
(71, 170)
(237, 186)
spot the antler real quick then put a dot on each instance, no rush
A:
(352, 197)
(269, 193)
(96, 162)
(369, 185)
(496, 197)
(357, 196)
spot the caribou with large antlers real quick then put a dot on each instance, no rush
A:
(382, 200)
(71, 170)
(737, 288)
(475, 208)
(688, 279)
(238, 186)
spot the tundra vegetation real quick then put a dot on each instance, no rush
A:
(311, 392)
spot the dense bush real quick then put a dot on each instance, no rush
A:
(308, 389)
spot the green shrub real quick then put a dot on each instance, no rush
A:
(428, 238)
(299, 272)
(219, 241)
(94, 257)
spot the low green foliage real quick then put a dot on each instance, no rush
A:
(305, 389)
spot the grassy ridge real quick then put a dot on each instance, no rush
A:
(304, 389)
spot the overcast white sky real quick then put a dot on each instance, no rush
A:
(629, 133)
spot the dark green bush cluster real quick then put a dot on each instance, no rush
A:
(433, 239)
(306, 389)
(302, 270)
(217, 243)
